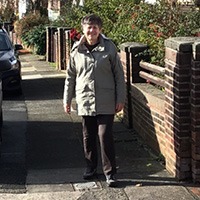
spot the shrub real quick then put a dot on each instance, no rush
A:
(72, 15)
(36, 38)
(7, 11)
(28, 22)
(128, 20)
(152, 24)
(31, 29)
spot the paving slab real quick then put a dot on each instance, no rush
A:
(158, 192)
(43, 196)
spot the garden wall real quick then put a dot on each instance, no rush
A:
(145, 104)
(148, 115)
(168, 121)
(58, 46)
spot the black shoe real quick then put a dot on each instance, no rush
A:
(89, 173)
(111, 181)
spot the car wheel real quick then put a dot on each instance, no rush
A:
(18, 91)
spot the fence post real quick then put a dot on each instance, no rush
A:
(56, 49)
(48, 44)
(50, 31)
(61, 50)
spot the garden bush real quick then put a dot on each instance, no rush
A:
(152, 24)
(136, 21)
(36, 39)
(7, 11)
(32, 31)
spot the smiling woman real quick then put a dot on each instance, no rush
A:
(95, 76)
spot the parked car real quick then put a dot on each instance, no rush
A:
(10, 66)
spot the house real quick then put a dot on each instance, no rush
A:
(54, 7)
(22, 8)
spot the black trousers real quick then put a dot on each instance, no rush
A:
(99, 127)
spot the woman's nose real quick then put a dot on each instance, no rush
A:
(91, 29)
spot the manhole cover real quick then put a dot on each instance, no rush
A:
(85, 186)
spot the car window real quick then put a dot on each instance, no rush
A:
(4, 43)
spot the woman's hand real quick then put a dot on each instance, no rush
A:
(67, 108)
(119, 107)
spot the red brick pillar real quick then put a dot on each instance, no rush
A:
(195, 112)
(62, 47)
(130, 59)
(177, 106)
(50, 44)
(56, 48)
(60, 53)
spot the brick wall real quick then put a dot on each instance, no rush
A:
(148, 115)
(168, 121)
(144, 106)
(58, 46)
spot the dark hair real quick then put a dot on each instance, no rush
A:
(92, 19)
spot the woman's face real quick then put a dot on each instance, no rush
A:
(91, 33)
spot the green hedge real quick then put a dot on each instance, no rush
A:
(128, 20)
(124, 21)
(32, 31)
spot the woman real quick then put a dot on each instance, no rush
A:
(95, 77)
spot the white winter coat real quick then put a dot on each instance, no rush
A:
(95, 78)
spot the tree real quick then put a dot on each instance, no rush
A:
(39, 6)
(8, 10)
